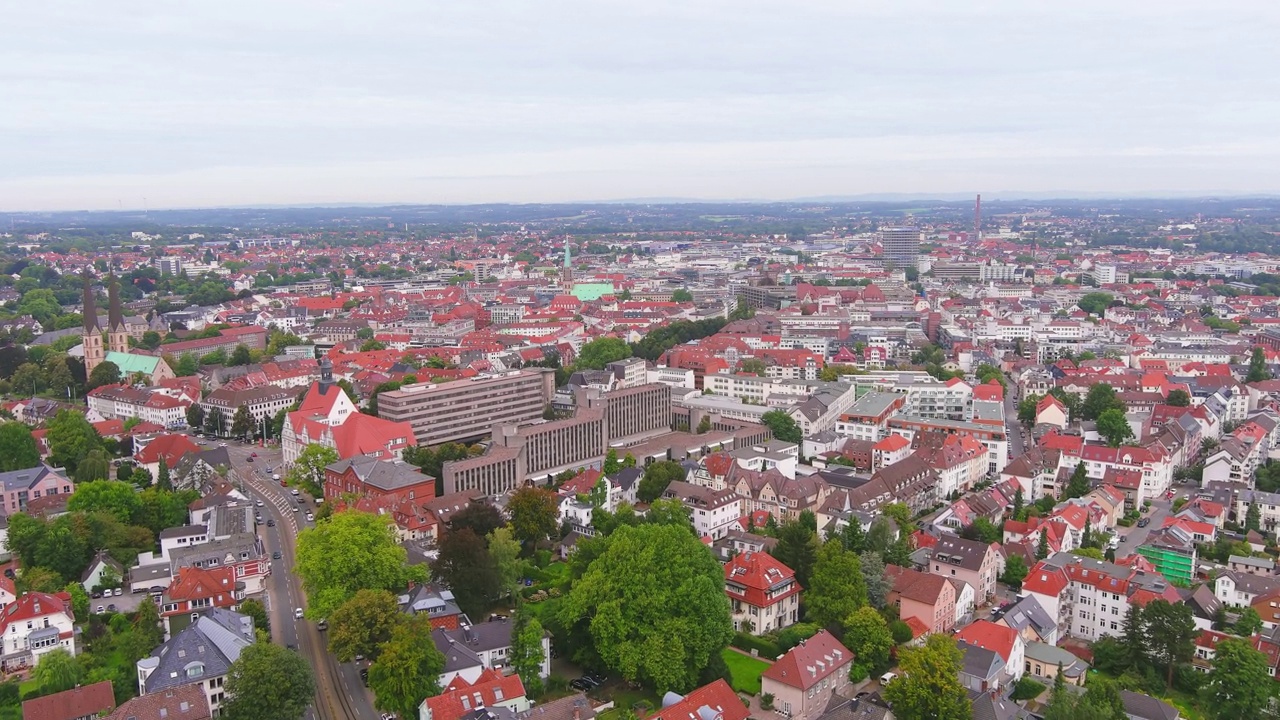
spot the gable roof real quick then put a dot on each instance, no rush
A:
(713, 701)
(810, 662)
(71, 704)
(187, 702)
(461, 697)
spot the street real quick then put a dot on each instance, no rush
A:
(1012, 426)
(340, 692)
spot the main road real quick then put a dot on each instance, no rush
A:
(340, 691)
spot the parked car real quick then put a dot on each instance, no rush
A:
(111, 608)
(322, 625)
(297, 613)
(100, 609)
(364, 675)
(310, 517)
(1143, 522)
(887, 678)
(118, 592)
(580, 684)
(248, 459)
(295, 492)
(253, 454)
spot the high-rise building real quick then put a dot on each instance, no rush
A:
(901, 246)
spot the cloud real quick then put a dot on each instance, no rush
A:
(192, 104)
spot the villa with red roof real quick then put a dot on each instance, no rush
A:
(983, 637)
(33, 625)
(713, 701)
(804, 680)
(328, 417)
(762, 591)
(167, 448)
(195, 590)
(461, 698)
(931, 599)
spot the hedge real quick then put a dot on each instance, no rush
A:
(763, 648)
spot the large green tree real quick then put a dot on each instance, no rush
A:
(1258, 370)
(837, 589)
(18, 450)
(797, 548)
(1240, 685)
(600, 352)
(104, 373)
(94, 466)
(113, 497)
(307, 472)
(533, 512)
(362, 624)
(268, 681)
(242, 422)
(1114, 427)
(783, 426)
(527, 653)
(351, 552)
(867, 634)
(464, 564)
(1101, 398)
(407, 670)
(928, 687)
(1162, 633)
(504, 550)
(657, 476)
(70, 438)
(57, 671)
(654, 604)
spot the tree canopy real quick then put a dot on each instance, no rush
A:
(18, 450)
(837, 589)
(350, 552)
(654, 604)
(408, 670)
(783, 426)
(268, 680)
(929, 685)
(360, 625)
(307, 472)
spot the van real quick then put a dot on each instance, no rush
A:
(887, 678)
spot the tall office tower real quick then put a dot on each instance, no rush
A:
(901, 246)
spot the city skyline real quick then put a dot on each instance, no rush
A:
(388, 103)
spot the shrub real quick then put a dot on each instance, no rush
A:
(901, 632)
(858, 672)
(1026, 689)
(792, 636)
(763, 648)
(766, 701)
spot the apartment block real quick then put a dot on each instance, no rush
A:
(469, 409)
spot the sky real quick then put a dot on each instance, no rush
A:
(110, 104)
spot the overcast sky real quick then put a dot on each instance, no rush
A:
(106, 102)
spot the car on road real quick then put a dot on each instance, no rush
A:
(222, 444)
(297, 613)
(100, 609)
(253, 454)
(258, 517)
(271, 522)
(259, 503)
(322, 625)
(249, 459)
(275, 555)
(294, 492)
(1143, 522)
(297, 509)
(311, 517)
(364, 676)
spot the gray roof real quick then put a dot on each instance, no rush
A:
(864, 709)
(980, 662)
(1145, 707)
(874, 403)
(429, 599)
(242, 546)
(987, 707)
(461, 647)
(382, 474)
(215, 640)
(183, 531)
(15, 480)
(1028, 612)
(1052, 656)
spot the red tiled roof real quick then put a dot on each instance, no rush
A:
(85, 701)
(170, 447)
(757, 572)
(810, 662)
(990, 636)
(716, 695)
(461, 697)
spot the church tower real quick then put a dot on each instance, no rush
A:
(117, 336)
(94, 353)
(566, 273)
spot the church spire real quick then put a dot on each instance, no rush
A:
(90, 307)
(115, 316)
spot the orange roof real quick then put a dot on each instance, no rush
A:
(749, 576)
(990, 636)
(892, 443)
(716, 695)
(461, 697)
(811, 662)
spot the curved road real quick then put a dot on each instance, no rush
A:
(340, 692)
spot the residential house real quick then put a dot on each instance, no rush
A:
(378, 479)
(195, 591)
(473, 648)
(1237, 589)
(971, 561)
(714, 701)
(929, 598)
(1090, 598)
(167, 448)
(1144, 707)
(805, 679)
(103, 570)
(22, 486)
(186, 702)
(763, 593)
(1051, 411)
(1004, 642)
(34, 625)
(491, 689)
(714, 513)
(199, 655)
(436, 602)
(83, 702)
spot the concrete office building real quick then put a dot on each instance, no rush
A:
(470, 409)
(901, 246)
(541, 450)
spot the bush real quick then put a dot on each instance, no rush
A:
(1124, 522)
(792, 636)
(1026, 689)
(858, 672)
(763, 648)
(901, 632)
(766, 701)
(1189, 680)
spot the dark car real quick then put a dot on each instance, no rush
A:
(111, 608)
(364, 676)
(1144, 522)
(275, 555)
(248, 459)
(581, 684)
(271, 522)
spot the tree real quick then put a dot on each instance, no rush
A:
(1248, 623)
(1019, 504)
(867, 634)
(353, 551)
(880, 535)
(1078, 485)
(504, 549)
(242, 423)
(481, 518)
(1015, 571)
(837, 588)
(1042, 547)
(215, 421)
(307, 473)
(104, 373)
(1239, 685)
(408, 670)
(534, 514)
(1178, 398)
(874, 579)
(1101, 398)
(18, 450)
(929, 687)
(783, 426)
(240, 356)
(1258, 370)
(704, 425)
(362, 624)
(602, 351)
(752, 366)
(654, 605)
(797, 548)
(464, 564)
(268, 680)
(852, 536)
(1114, 426)
(1095, 303)
(163, 483)
(187, 365)
(982, 529)
(79, 601)
(195, 416)
(254, 608)
(527, 654)
(611, 462)
(681, 296)
(657, 476)
(57, 671)
(1027, 409)
(70, 438)
(1253, 517)
(1170, 634)
(95, 466)
(113, 497)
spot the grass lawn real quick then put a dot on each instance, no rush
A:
(744, 672)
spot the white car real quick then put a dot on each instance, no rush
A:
(297, 614)
(295, 492)
(259, 503)
(887, 678)
(310, 517)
